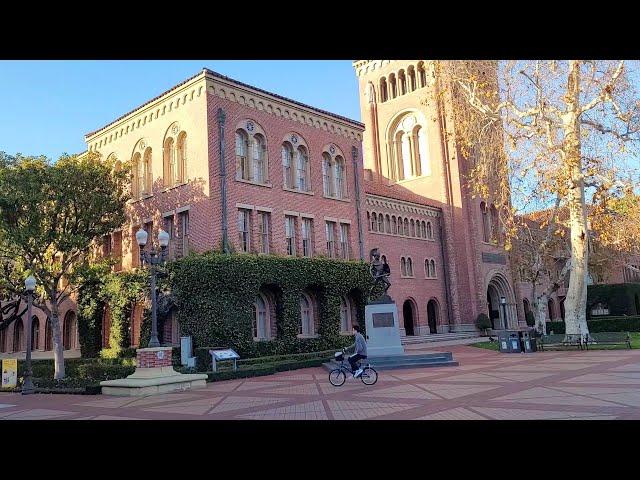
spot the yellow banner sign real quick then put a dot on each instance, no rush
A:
(9, 373)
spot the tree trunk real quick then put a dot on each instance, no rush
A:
(541, 320)
(576, 301)
(58, 347)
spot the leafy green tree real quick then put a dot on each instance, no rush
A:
(50, 214)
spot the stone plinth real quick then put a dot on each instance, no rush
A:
(154, 374)
(383, 334)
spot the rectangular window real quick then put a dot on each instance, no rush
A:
(329, 227)
(290, 233)
(183, 225)
(148, 227)
(244, 217)
(106, 245)
(264, 224)
(344, 241)
(168, 226)
(307, 229)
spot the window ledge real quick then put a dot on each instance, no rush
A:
(261, 339)
(338, 199)
(346, 333)
(303, 335)
(251, 182)
(406, 276)
(295, 190)
(140, 199)
(431, 278)
(166, 189)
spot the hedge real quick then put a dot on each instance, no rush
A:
(264, 369)
(609, 324)
(203, 358)
(621, 298)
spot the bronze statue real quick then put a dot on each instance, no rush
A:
(380, 271)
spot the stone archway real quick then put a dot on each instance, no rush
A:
(503, 315)
(409, 317)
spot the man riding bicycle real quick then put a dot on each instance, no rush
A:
(360, 348)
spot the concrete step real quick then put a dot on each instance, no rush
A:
(435, 337)
(440, 359)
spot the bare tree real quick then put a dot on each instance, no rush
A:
(543, 134)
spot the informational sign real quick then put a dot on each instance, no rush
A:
(224, 354)
(504, 345)
(382, 319)
(9, 373)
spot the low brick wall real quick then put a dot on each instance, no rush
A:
(154, 357)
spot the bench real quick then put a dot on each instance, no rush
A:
(608, 338)
(560, 340)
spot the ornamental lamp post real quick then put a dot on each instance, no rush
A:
(30, 287)
(153, 258)
(503, 304)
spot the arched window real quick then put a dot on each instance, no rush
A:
(409, 267)
(303, 174)
(261, 320)
(170, 163)
(402, 83)
(525, 304)
(394, 225)
(412, 78)
(403, 267)
(426, 268)
(392, 86)
(328, 179)
(287, 164)
(307, 327)
(422, 75)
(387, 223)
(69, 331)
(368, 221)
(486, 228)
(182, 158)
(148, 172)
(137, 185)
(406, 227)
(341, 184)
(381, 223)
(412, 228)
(432, 268)
(35, 333)
(18, 336)
(383, 90)
(400, 227)
(495, 225)
(345, 315)
(429, 231)
(48, 336)
(242, 155)
(259, 166)
(423, 229)
(408, 146)
(374, 222)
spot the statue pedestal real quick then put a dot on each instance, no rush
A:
(383, 334)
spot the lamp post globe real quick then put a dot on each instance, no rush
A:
(30, 283)
(163, 239)
(141, 237)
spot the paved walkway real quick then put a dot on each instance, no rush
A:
(487, 385)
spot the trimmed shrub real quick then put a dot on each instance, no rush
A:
(203, 359)
(621, 298)
(483, 323)
(609, 324)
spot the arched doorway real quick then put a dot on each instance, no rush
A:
(48, 335)
(551, 307)
(432, 316)
(501, 303)
(69, 331)
(562, 307)
(407, 315)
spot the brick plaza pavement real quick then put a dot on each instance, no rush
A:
(487, 385)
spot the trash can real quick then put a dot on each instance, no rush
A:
(514, 341)
(503, 342)
(529, 343)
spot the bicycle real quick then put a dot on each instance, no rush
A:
(337, 376)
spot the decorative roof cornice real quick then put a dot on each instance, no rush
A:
(401, 206)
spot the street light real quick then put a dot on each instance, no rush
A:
(503, 303)
(153, 258)
(30, 287)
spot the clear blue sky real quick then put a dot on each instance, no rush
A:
(46, 107)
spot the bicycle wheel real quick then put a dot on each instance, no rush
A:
(337, 377)
(369, 376)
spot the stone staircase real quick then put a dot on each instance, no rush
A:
(435, 359)
(436, 337)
